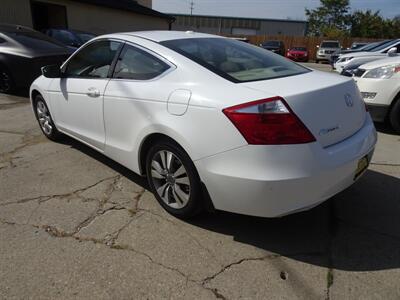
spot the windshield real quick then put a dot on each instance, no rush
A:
(66, 37)
(33, 39)
(84, 37)
(384, 45)
(235, 61)
(272, 43)
(330, 45)
(299, 49)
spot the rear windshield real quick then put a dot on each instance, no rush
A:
(272, 43)
(330, 45)
(299, 49)
(35, 40)
(235, 61)
(384, 45)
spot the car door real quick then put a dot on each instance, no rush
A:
(135, 89)
(77, 97)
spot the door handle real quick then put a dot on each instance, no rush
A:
(93, 92)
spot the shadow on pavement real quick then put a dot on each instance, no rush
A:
(357, 230)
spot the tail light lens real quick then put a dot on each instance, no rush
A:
(268, 122)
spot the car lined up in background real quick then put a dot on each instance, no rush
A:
(70, 38)
(23, 52)
(277, 47)
(299, 54)
(354, 60)
(379, 84)
(326, 49)
(357, 45)
(367, 47)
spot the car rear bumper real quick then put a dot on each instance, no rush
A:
(272, 181)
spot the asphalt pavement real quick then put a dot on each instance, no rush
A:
(76, 225)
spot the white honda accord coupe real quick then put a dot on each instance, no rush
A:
(212, 122)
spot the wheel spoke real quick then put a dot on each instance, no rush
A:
(181, 170)
(182, 180)
(170, 157)
(163, 160)
(156, 166)
(182, 195)
(177, 199)
(161, 190)
(156, 174)
(166, 195)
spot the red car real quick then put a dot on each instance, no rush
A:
(297, 54)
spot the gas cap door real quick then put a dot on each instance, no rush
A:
(178, 102)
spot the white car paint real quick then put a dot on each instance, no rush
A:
(386, 90)
(358, 58)
(186, 104)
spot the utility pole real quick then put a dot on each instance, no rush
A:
(191, 7)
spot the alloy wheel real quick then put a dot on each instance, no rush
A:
(170, 179)
(44, 117)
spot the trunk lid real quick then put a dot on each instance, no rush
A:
(328, 104)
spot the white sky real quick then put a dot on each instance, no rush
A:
(275, 9)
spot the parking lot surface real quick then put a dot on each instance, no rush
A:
(74, 224)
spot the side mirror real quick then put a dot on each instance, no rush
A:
(392, 52)
(52, 71)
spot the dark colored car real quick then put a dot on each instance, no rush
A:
(274, 46)
(357, 45)
(70, 38)
(23, 52)
(297, 54)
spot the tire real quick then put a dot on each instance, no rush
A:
(317, 61)
(7, 84)
(183, 199)
(44, 119)
(394, 116)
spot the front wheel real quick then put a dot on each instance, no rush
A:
(6, 81)
(174, 180)
(394, 116)
(44, 119)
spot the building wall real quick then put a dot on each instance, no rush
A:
(16, 12)
(223, 25)
(86, 17)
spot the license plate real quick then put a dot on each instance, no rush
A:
(361, 166)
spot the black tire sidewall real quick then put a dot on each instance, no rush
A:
(11, 82)
(394, 116)
(195, 203)
(55, 134)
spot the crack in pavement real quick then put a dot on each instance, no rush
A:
(44, 198)
(184, 231)
(6, 106)
(27, 140)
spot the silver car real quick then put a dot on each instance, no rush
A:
(326, 49)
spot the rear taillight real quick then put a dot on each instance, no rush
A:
(268, 122)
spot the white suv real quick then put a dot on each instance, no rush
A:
(379, 83)
(326, 49)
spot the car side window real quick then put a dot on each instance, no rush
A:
(93, 61)
(137, 64)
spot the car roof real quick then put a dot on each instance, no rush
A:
(11, 28)
(166, 35)
(381, 62)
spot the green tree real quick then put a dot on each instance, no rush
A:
(368, 24)
(331, 18)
